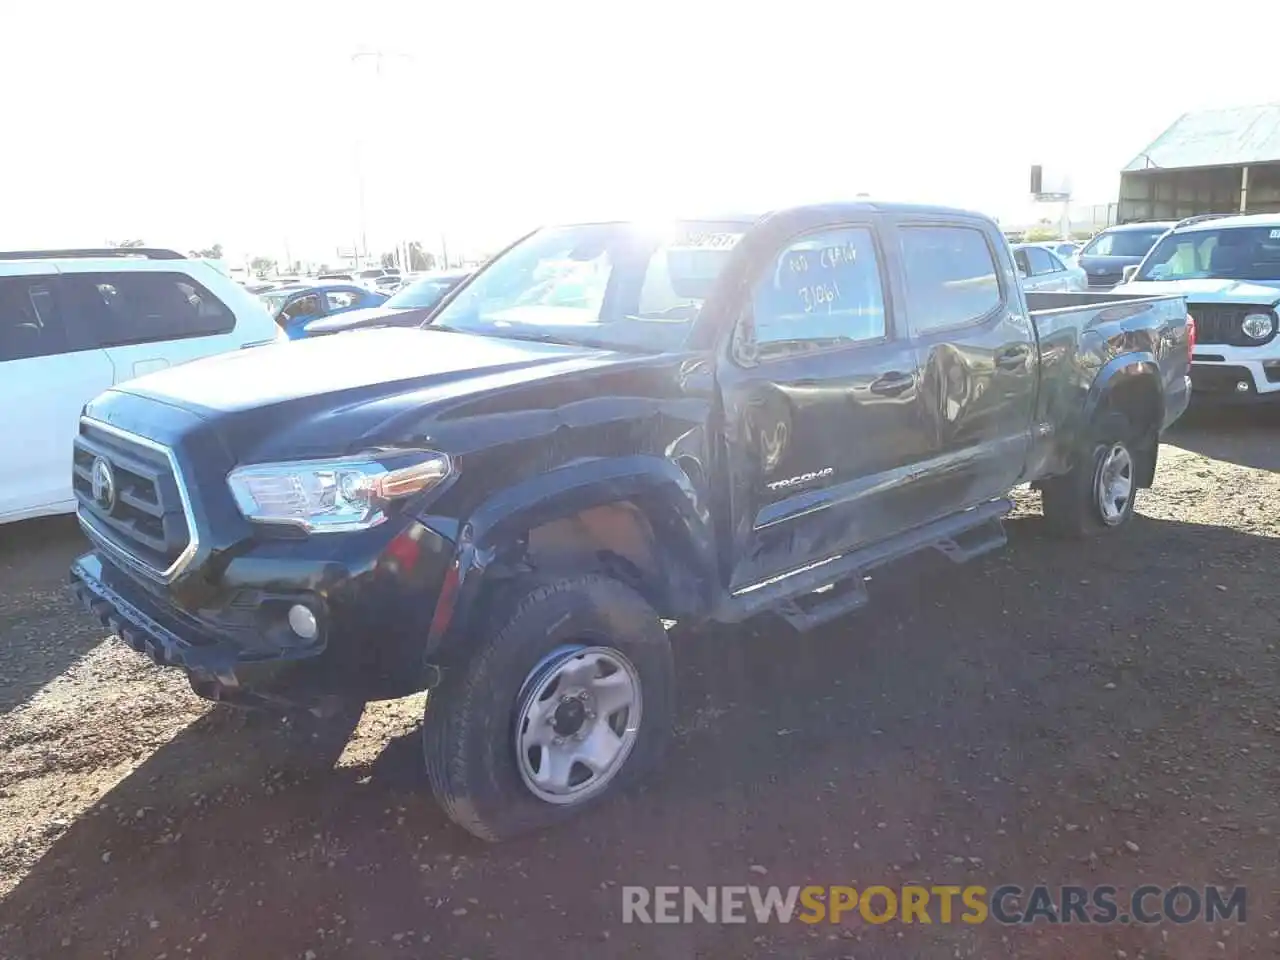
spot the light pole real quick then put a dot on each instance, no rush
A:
(378, 56)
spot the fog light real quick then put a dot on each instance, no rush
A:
(1242, 386)
(303, 622)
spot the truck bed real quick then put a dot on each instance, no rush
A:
(1084, 338)
(1047, 301)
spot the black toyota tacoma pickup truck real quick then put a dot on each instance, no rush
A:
(609, 426)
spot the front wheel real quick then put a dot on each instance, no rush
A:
(1099, 493)
(569, 700)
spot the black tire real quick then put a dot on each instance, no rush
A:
(1071, 503)
(469, 729)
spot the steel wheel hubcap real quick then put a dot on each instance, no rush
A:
(1114, 484)
(578, 716)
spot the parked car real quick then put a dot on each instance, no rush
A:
(259, 287)
(609, 426)
(295, 307)
(407, 307)
(369, 276)
(1065, 250)
(75, 322)
(1105, 256)
(1228, 268)
(1039, 269)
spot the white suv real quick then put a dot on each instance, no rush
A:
(75, 322)
(1228, 268)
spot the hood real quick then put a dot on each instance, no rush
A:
(365, 317)
(322, 396)
(1208, 290)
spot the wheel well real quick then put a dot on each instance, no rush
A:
(614, 537)
(1140, 400)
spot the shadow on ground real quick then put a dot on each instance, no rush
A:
(947, 732)
(1249, 436)
(34, 557)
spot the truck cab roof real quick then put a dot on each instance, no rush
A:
(837, 209)
(1228, 222)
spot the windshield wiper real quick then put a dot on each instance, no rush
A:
(535, 336)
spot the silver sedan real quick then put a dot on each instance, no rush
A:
(1042, 270)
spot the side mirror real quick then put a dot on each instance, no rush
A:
(1129, 272)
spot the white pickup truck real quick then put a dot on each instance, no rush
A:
(1228, 268)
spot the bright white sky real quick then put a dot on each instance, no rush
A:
(186, 124)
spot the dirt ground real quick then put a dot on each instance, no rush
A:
(1097, 713)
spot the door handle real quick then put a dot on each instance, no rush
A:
(893, 383)
(1012, 358)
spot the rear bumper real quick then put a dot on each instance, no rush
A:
(231, 632)
(1176, 403)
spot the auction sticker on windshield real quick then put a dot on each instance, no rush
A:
(707, 241)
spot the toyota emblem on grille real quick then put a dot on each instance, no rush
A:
(104, 484)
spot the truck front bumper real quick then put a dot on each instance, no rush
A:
(232, 633)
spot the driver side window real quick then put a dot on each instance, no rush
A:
(822, 290)
(1041, 261)
(306, 306)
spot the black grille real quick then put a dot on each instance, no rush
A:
(1220, 323)
(1102, 283)
(146, 521)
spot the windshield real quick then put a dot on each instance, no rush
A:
(1122, 243)
(613, 285)
(1232, 253)
(426, 292)
(274, 299)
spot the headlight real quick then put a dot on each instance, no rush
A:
(1258, 326)
(330, 496)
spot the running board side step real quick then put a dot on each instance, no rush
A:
(960, 537)
(967, 545)
(812, 611)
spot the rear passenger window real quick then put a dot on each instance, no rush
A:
(29, 323)
(121, 308)
(822, 290)
(951, 276)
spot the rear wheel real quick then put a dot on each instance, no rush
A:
(1099, 493)
(568, 701)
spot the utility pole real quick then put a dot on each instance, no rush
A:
(377, 55)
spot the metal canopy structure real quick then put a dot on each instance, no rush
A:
(1211, 161)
